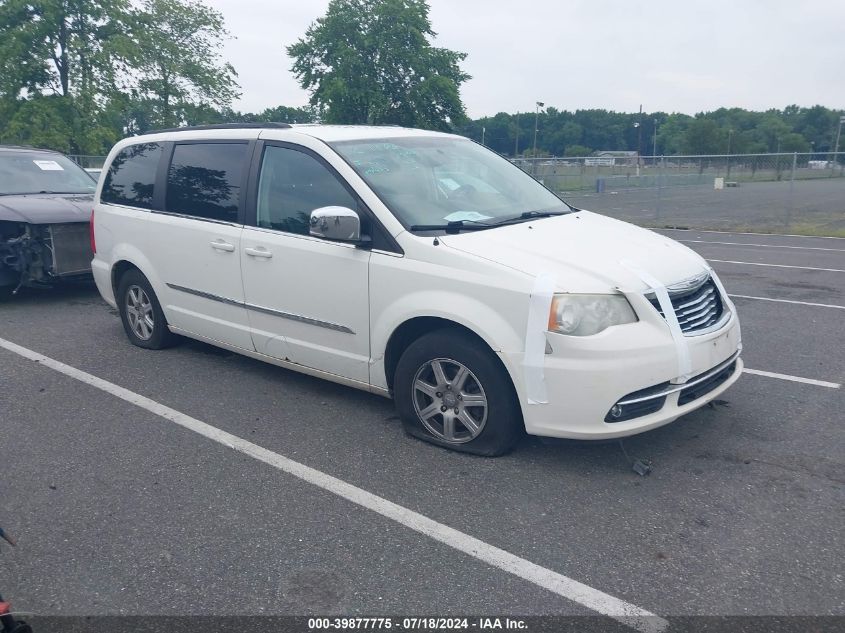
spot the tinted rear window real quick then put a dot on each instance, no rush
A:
(130, 179)
(204, 180)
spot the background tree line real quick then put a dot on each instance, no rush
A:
(723, 131)
(78, 75)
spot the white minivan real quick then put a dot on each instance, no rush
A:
(416, 265)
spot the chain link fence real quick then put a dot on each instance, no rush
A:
(780, 193)
(801, 193)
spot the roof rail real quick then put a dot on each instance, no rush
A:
(224, 126)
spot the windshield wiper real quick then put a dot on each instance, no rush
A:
(66, 193)
(531, 215)
(455, 226)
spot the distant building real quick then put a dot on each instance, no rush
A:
(612, 157)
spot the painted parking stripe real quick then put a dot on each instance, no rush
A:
(802, 248)
(727, 261)
(809, 237)
(568, 588)
(803, 303)
(806, 381)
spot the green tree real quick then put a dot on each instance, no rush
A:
(40, 122)
(371, 61)
(174, 51)
(65, 48)
(704, 136)
(577, 151)
(671, 135)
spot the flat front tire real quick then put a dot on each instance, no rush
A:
(451, 390)
(141, 313)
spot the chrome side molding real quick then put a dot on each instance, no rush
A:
(284, 315)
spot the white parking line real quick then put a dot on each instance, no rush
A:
(809, 237)
(552, 581)
(727, 261)
(803, 303)
(806, 381)
(803, 248)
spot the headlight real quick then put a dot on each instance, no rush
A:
(583, 315)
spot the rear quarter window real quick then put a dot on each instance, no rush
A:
(204, 180)
(130, 179)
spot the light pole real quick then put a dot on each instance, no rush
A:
(730, 135)
(639, 126)
(838, 135)
(540, 104)
(654, 151)
(483, 131)
(516, 141)
(639, 144)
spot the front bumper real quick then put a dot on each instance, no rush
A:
(634, 364)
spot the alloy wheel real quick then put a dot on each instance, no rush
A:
(449, 400)
(139, 312)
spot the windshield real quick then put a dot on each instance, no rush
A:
(432, 181)
(41, 172)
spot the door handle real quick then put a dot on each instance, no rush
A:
(258, 252)
(220, 245)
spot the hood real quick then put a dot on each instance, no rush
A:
(47, 208)
(586, 252)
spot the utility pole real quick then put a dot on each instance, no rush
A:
(654, 151)
(540, 104)
(483, 131)
(730, 136)
(639, 127)
(516, 141)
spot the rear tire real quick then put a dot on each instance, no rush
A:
(141, 313)
(451, 390)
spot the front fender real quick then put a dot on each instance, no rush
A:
(500, 330)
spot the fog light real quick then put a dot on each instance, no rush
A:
(615, 411)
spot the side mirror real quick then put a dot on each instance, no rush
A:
(336, 223)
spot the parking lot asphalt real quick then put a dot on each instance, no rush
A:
(119, 510)
(781, 207)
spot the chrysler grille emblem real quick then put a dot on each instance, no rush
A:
(688, 284)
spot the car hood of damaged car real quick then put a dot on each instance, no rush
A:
(46, 208)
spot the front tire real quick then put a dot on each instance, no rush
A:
(451, 390)
(141, 313)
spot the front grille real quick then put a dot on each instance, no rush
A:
(696, 309)
(696, 391)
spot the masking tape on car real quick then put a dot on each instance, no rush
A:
(659, 290)
(534, 359)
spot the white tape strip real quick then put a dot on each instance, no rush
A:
(659, 290)
(534, 359)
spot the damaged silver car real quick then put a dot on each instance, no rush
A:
(45, 208)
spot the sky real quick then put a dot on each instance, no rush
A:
(673, 56)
